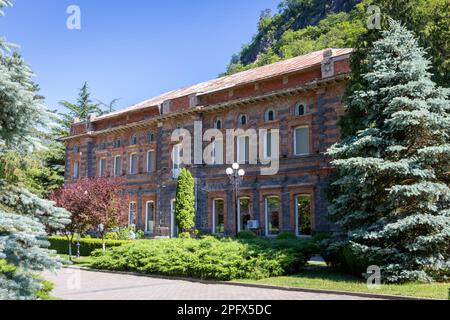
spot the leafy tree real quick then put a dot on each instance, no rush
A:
(392, 188)
(23, 216)
(95, 203)
(73, 197)
(185, 201)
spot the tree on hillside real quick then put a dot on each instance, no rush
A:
(392, 198)
(79, 110)
(185, 202)
(23, 216)
(428, 19)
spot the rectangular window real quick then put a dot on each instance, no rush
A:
(150, 161)
(244, 213)
(76, 170)
(218, 216)
(268, 145)
(150, 218)
(303, 215)
(177, 159)
(243, 149)
(134, 163)
(272, 208)
(132, 213)
(173, 221)
(117, 166)
(301, 141)
(102, 167)
(217, 152)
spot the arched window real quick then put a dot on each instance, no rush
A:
(133, 140)
(150, 136)
(269, 115)
(243, 119)
(300, 109)
(117, 143)
(218, 124)
(76, 148)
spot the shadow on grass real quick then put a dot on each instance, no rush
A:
(323, 272)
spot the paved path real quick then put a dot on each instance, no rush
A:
(74, 284)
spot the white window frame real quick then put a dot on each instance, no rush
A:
(76, 170)
(173, 223)
(298, 105)
(215, 151)
(238, 153)
(297, 233)
(266, 115)
(214, 214)
(215, 124)
(240, 119)
(130, 171)
(115, 166)
(177, 160)
(239, 210)
(151, 169)
(146, 217)
(129, 212)
(266, 156)
(266, 215)
(295, 141)
(100, 166)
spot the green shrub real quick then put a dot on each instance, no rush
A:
(286, 235)
(44, 292)
(207, 258)
(184, 235)
(246, 234)
(320, 236)
(61, 245)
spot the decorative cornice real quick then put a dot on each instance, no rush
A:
(309, 86)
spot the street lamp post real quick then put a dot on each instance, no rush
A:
(236, 176)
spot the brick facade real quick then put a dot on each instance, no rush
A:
(149, 126)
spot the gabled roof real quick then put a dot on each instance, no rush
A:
(237, 79)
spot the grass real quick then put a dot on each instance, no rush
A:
(318, 276)
(81, 261)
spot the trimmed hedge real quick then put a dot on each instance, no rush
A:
(207, 258)
(61, 245)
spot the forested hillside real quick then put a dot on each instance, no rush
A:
(302, 26)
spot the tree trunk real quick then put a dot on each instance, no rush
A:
(103, 243)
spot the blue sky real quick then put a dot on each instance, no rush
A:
(131, 50)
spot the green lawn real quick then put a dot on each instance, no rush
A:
(82, 261)
(319, 276)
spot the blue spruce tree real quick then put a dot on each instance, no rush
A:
(392, 200)
(23, 216)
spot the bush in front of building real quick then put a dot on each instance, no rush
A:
(246, 234)
(185, 203)
(61, 244)
(207, 258)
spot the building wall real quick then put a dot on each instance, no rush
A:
(297, 175)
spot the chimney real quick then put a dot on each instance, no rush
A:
(193, 100)
(327, 63)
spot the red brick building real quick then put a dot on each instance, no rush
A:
(301, 97)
